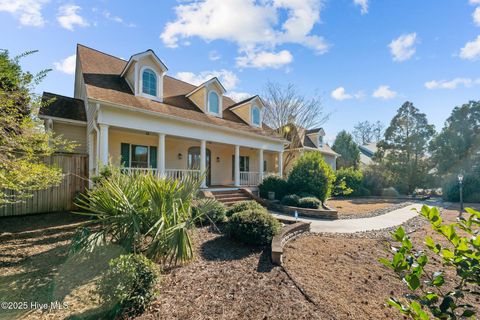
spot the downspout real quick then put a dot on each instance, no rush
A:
(95, 127)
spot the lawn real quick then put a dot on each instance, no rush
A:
(343, 277)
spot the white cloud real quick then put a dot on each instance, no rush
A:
(214, 55)
(238, 96)
(363, 5)
(29, 12)
(66, 65)
(450, 84)
(108, 15)
(476, 16)
(384, 92)
(255, 26)
(341, 94)
(228, 79)
(264, 59)
(403, 48)
(68, 17)
(474, 2)
(471, 50)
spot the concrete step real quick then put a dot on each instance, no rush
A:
(229, 195)
(234, 199)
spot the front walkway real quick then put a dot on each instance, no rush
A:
(384, 221)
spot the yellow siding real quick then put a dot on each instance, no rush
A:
(74, 133)
(199, 99)
(244, 112)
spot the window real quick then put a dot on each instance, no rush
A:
(213, 102)
(244, 164)
(139, 156)
(149, 82)
(320, 141)
(136, 156)
(256, 115)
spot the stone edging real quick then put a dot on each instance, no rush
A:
(323, 213)
(287, 233)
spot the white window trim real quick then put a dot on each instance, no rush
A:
(260, 116)
(220, 107)
(140, 84)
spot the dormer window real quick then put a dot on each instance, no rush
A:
(256, 116)
(149, 82)
(213, 103)
(320, 141)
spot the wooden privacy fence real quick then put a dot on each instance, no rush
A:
(61, 198)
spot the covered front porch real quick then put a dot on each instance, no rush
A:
(225, 165)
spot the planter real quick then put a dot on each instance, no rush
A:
(287, 233)
(271, 195)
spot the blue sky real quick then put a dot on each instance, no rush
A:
(365, 57)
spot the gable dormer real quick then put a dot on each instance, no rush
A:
(316, 136)
(144, 74)
(208, 97)
(250, 110)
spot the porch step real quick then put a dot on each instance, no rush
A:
(230, 197)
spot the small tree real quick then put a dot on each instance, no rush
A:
(23, 142)
(312, 175)
(348, 150)
(287, 111)
(462, 254)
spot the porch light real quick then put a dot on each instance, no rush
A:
(218, 159)
(180, 156)
(460, 183)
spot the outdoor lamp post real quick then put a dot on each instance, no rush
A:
(460, 183)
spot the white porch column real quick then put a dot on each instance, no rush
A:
(103, 144)
(237, 166)
(260, 165)
(203, 162)
(91, 159)
(280, 163)
(161, 155)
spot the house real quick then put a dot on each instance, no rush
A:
(367, 151)
(133, 114)
(307, 140)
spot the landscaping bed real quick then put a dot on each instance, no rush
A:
(364, 207)
(347, 281)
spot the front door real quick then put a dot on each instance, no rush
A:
(193, 161)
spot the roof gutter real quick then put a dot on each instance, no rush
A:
(165, 116)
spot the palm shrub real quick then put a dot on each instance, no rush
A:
(273, 184)
(410, 264)
(215, 213)
(255, 227)
(128, 284)
(311, 174)
(245, 205)
(143, 213)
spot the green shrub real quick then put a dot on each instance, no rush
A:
(290, 200)
(275, 184)
(208, 210)
(309, 202)
(390, 192)
(129, 284)
(353, 180)
(255, 227)
(245, 205)
(375, 179)
(471, 189)
(311, 174)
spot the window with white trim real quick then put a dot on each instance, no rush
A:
(256, 116)
(213, 102)
(149, 82)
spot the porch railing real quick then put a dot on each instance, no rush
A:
(249, 178)
(139, 170)
(181, 174)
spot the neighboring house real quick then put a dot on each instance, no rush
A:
(133, 114)
(366, 154)
(308, 140)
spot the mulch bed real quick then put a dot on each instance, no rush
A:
(228, 280)
(355, 208)
(342, 276)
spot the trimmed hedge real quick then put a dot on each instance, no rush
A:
(213, 210)
(129, 284)
(353, 180)
(245, 205)
(312, 175)
(275, 184)
(255, 227)
(309, 202)
(291, 200)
